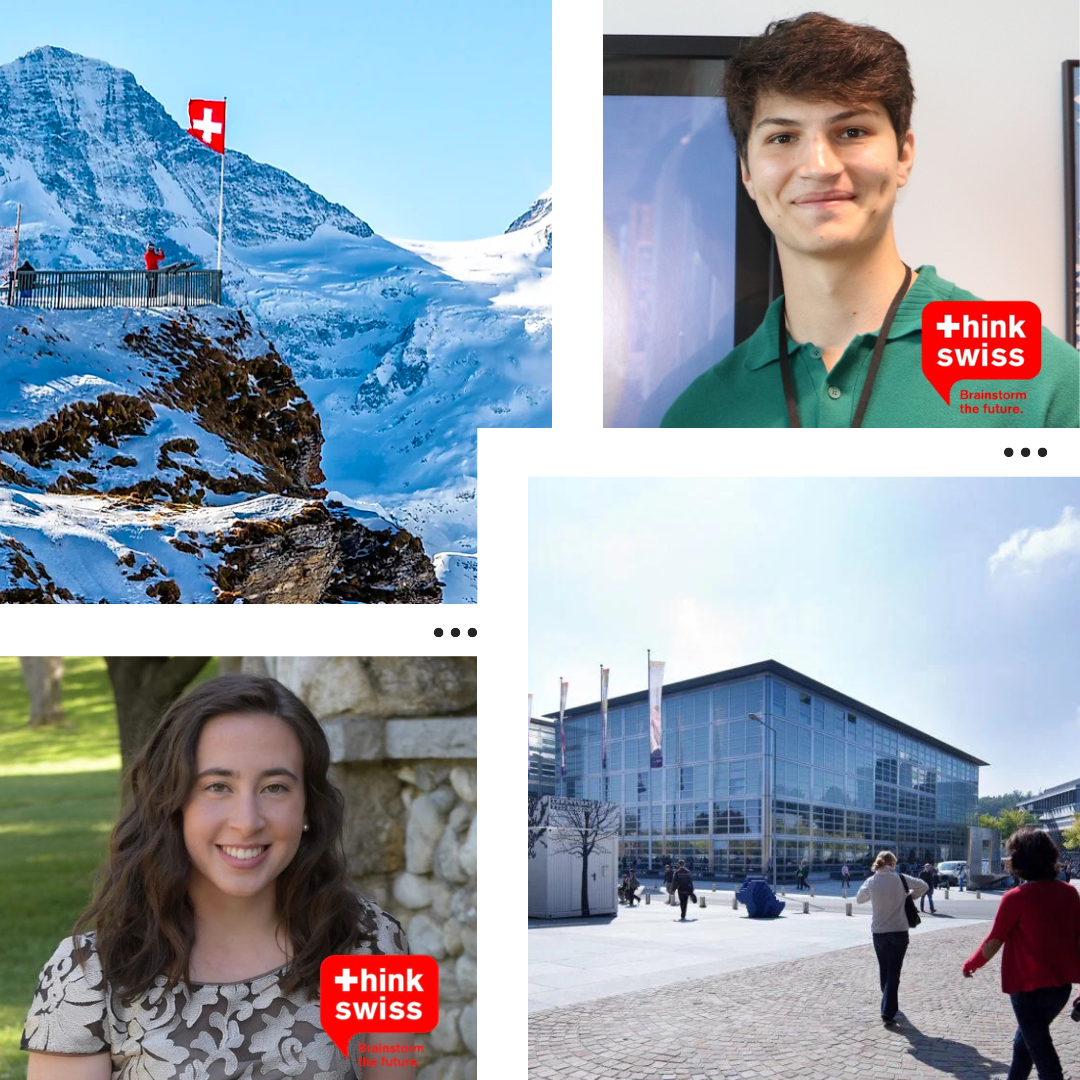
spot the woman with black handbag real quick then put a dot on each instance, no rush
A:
(891, 895)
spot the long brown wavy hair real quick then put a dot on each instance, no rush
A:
(141, 911)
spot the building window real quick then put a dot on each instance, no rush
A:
(779, 698)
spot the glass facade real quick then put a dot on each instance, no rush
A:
(541, 757)
(843, 786)
(1055, 807)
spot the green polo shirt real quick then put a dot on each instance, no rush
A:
(745, 389)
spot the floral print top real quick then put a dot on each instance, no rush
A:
(203, 1031)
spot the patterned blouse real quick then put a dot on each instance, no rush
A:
(200, 1031)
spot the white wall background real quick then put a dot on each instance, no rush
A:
(986, 200)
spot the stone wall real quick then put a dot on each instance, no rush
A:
(402, 733)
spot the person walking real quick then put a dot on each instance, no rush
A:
(669, 883)
(632, 885)
(887, 890)
(928, 875)
(1038, 922)
(961, 878)
(152, 257)
(845, 877)
(684, 886)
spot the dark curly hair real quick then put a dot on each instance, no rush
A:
(820, 58)
(141, 912)
(1032, 854)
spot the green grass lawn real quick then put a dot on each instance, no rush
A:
(59, 797)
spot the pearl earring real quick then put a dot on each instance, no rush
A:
(306, 827)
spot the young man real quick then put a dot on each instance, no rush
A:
(820, 111)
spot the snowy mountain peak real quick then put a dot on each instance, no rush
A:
(539, 209)
(401, 350)
(100, 167)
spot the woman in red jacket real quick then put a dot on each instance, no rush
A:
(152, 257)
(1039, 924)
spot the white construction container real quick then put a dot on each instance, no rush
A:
(573, 827)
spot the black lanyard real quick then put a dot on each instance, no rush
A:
(871, 375)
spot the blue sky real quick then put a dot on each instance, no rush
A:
(926, 599)
(431, 121)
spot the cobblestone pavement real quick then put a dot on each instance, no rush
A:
(808, 1019)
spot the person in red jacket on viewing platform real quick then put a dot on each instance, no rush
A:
(152, 258)
(1038, 922)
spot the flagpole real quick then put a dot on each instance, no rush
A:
(648, 698)
(221, 199)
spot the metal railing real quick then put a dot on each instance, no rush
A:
(112, 288)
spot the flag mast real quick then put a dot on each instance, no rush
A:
(221, 197)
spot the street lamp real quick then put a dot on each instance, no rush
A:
(769, 830)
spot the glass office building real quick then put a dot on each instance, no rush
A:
(1055, 807)
(541, 757)
(842, 779)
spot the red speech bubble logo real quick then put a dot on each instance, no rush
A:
(980, 339)
(361, 994)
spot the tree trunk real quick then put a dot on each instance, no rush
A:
(42, 675)
(585, 879)
(144, 687)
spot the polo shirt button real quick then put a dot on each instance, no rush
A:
(834, 392)
(815, 352)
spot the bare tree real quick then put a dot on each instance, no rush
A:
(538, 822)
(581, 826)
(42, 675)
(144, 687)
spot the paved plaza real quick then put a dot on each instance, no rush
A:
(729, 998)
(576, 960)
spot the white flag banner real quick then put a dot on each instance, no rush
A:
(563, 687)
(656, 683)
(529, 730)
(603, 716)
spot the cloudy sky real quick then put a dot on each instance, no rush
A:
(431, 121)
(953, 605)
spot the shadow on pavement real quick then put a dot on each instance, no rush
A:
(591, 920)
(947, 1055)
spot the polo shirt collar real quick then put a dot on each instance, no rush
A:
(928, 287)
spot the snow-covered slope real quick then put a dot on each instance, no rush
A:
(403, 349)
(154, 456)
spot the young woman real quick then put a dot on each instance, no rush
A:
(1038, 922)
(225, 889)
(889, 926)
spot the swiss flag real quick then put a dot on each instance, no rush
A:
(207, 122)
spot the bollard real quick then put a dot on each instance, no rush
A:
(806, 907)
(812, 890)
(946, 892)
(843, 892)
(648, 898)
(978, 894)
(734, 903)
(847, 908)
(701, 901)
(783, 890)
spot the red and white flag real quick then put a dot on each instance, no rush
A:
(207, 122)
